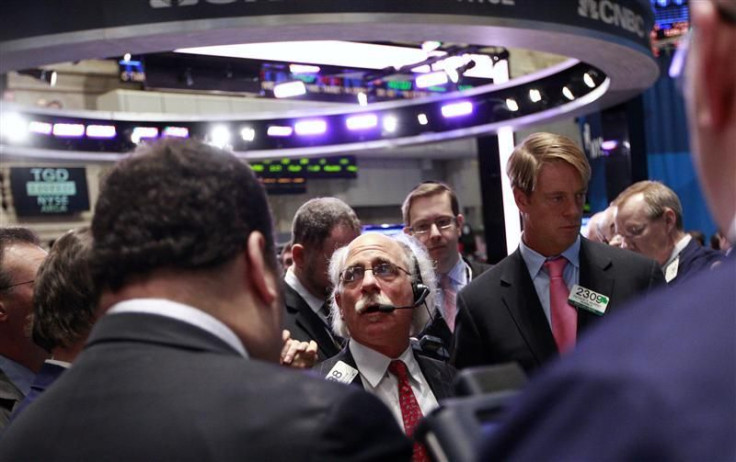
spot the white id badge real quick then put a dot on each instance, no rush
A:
(342, 372)
(588, 300)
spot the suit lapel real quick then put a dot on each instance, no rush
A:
(594, 275)
(520, 298)
(310, 322)
(439, 382)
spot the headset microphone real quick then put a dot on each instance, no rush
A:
(420, 294)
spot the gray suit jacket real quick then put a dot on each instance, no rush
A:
(500, 318)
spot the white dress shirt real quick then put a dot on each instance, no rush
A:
(373, 369)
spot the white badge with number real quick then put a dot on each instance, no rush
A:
(671, 272)
(588, 300)
(342, 372)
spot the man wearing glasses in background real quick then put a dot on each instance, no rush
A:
(659, 381)
(432, 215)
(20, 358)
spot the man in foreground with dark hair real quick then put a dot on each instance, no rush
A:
(177, 369)
(659, 381)
(20, 358)
(64, 308)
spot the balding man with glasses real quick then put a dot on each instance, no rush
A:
(20, 358)
(431, 213)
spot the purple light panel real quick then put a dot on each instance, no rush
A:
(310, 127)
(362, 122)
(279, 131)
(176, 132)
(101, 131)
(140, 133)
(68, 130)
(40, 128)
(460, 109)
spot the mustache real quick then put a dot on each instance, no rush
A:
(371, 300)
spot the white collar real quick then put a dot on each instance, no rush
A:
(372, 365)
(184, 313)
(681, 244)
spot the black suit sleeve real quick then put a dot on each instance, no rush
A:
(359, 427)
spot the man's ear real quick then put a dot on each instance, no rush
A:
(460, 222)
(715, 67)
(263, 278)
(298, 255)
(669, 219)
(521, 199)
(338, 302)
(3, 312)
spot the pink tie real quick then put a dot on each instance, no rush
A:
(410, 411)
(449, 295)
(564, 316)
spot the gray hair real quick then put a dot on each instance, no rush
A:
(420, 266)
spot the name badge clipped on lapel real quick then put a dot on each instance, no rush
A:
(342, 372)
(587, 299)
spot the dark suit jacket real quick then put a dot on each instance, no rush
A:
(695, 258)
(46, 376)
(9, 397)
(439, 375)
(665, 390)
(500, 318)
(438, 326)
(304, 324)
(152, 388)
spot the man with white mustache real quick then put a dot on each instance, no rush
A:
(384, 293)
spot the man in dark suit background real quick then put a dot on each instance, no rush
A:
(20, 358)
(178, 367)
(649, 218)
(320, 226)
(376, 270)
(431, 213)
(64, 308)
(665, 390)
(518, 310)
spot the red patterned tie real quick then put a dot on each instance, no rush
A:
(564, 316)
(410, 411)
(449, 295)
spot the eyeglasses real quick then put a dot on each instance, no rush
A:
(384, 271)
(442, 223)
(18, 284)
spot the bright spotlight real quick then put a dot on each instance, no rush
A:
(422, 119)
(101, 131)
(279, 131)
(390, 123)
(220, 136)
(176, 132)
(13, 127)
(568, 93)
(535, 95)
(588, 80)
(69, 130)
(248, 134)
(512, 105)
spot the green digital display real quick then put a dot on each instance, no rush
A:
(343, 167)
